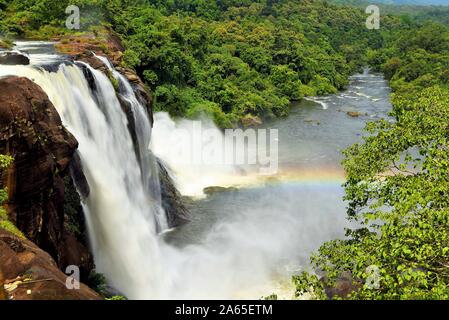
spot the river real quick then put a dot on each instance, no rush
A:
(267, 228)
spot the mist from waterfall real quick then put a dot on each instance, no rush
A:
(175, 141)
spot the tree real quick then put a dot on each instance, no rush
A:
(397, 188)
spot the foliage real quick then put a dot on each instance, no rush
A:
(117, 298)
(398, 183)
(271, 297)
(227, 59)
(97, 281)
(411, 12)
(231, 59)
(5, 162)
(6, 43)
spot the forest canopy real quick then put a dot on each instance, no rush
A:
(227, 59)
(397, 182)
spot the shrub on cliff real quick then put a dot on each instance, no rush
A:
(5, 162)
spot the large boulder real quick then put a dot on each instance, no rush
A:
(343, 286)
(29, 273)
(13, 58)
(31, 131)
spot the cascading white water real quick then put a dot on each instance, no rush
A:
(142, 127)
(119, 213)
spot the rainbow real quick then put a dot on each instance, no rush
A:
(317, 176)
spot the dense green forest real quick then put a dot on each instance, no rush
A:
(410, 12)
(228, 59)
(397, 182)
(236, 59)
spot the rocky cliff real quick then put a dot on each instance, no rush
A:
(29, 273)
(43, 201)
(38, 181)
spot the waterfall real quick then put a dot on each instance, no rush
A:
(142, 129)
(121, 214)
(237, 257)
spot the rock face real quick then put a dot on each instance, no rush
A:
(174, 207)
(13, 58)
(29, 273)
(43, 151)
(343, 286)
(139, 88)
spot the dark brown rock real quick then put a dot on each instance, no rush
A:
(3, 295)
(172, 202)
(353, 114)
(32, 132)
(251, 121)
(13, 58)
(31, 274)
(89, 58)
(342, 287)
(216, 189)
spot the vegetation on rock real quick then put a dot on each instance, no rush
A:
(5, 162)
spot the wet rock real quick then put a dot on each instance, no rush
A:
(172, 201)
(343, 286)
(13, 58)
(32, 274)
(251, 121)
(79, 179)
(32, 132)
(89, 58)
(312, 121)
(353, 114)
(140, 90)
(82, 50)
(129, 74)
(216, 189)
